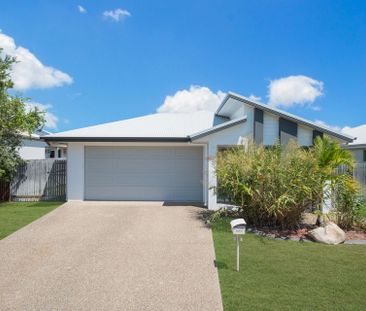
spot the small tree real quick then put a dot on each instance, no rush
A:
(330, 156)
(15, 120)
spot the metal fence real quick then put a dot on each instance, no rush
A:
(39, 180)
(359, 173)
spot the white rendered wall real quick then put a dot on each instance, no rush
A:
(236, 135)
(304, 136)
(270, 129)
(75, 171)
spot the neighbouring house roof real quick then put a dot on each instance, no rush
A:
(34, 136)
(283, 114)
(360, 133)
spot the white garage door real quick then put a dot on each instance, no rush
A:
(144, 173)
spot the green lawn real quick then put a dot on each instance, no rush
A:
(15, 215)
(288, 275)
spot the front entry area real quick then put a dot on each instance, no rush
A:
(144, 173)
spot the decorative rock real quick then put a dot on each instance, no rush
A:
(329, 234)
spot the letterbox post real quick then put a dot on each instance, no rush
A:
(237, 252)
(238, 228)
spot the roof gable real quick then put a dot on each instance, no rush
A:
(236, 98)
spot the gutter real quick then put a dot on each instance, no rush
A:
(218, 128)
(354, 146)
(115, 139)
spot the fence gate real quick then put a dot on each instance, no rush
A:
(39, 180)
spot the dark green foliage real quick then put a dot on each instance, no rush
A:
(274, 186)
(15, 121)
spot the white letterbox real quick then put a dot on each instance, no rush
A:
(238, 226)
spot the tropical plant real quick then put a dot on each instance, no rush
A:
(274, 186)
(330, 156)
(346, 201)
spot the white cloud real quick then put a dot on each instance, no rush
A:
(116, 15)
(315, 108)
(332, 127)
(197, 98)
(81, 9)
(294, 90)
(50, 118)
(255, 98)
(29, 72)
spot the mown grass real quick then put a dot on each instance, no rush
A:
(15, 215)
(288, 275)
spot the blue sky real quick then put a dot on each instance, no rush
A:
(124, 63)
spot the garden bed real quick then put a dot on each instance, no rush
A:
(301, 234)
(285, 275)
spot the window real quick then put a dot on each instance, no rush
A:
(364, 156)
(52, 154)
(59, 153)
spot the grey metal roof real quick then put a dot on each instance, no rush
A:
(218, 128)
(359, 132)
(159, 126)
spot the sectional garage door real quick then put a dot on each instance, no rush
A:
(144, 173)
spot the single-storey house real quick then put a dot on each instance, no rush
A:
(33, 147)
(170, 156)
(358, 146)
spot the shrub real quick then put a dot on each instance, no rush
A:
(273, 186)
(350, 207)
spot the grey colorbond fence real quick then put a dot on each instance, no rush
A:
(359, 173)
(39, 180)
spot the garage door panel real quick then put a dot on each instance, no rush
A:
(144, 173)
(103, 166)
(130, 179)
(143, 193)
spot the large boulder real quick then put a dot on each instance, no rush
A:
(328, 234)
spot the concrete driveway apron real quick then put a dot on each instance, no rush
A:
(111, 256)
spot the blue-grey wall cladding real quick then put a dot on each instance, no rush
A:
(287, 130)
(258, 126)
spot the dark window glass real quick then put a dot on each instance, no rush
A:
(364, 155)
(59, 153)
(52, 154)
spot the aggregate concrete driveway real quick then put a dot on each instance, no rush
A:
(111, 256)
